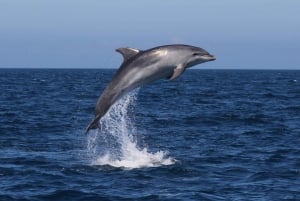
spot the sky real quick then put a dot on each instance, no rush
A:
(256, 34)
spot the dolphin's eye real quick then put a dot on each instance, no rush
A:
(196, 54)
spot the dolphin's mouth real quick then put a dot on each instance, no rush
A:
(209, 57)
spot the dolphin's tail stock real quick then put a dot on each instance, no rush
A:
(94, 124)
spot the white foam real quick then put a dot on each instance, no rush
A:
(135, 159)
(116, 143)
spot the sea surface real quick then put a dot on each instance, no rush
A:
(209, 135)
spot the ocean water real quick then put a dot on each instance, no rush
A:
(209, 135)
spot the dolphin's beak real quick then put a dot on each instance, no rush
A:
(209, 57)
(212, 57)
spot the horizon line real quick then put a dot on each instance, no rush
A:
(92, 68)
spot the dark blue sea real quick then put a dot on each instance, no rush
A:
(209, 135)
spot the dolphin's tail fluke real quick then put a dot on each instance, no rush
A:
(94, 124)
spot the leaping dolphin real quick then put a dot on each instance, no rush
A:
(142, 67)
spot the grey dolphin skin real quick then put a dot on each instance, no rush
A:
(141, 67)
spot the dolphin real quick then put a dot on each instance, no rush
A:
(141, 67)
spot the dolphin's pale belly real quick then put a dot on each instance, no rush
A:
(137, 78)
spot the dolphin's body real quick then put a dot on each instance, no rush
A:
(143, 67)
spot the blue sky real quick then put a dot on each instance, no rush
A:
(84, 34)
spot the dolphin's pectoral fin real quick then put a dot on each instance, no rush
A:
(127, 52)
(177, 72)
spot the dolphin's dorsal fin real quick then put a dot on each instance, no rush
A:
(128, 52)
(177, 72)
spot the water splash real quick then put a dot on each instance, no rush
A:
(116, 144)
